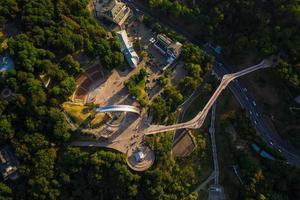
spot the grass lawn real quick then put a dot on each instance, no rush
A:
(76, 112)
(137, 89)
(98, 119)
(141, 88)
(196, 106)
(80, 114)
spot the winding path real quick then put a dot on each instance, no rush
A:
(198, 120)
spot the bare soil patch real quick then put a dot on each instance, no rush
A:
(184, 147)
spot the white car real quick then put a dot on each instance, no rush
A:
(255, 122)
(254, 103)
(250, 112)
(152, 40)
(244, 89)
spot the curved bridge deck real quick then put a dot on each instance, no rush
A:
(119, 108)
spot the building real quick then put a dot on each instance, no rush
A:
(168, 47)
(139, 156)
(45, 80)
(6, 63)
(8, 163)
(113, 10)
(127, 49)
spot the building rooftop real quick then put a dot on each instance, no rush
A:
(6, 63)
(8, 163)
(114, 10)
(127, 49)
(169, 47)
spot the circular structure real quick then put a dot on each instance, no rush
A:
(141, 159)
(6, 93)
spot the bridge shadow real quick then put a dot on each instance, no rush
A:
(121, 97)
(128, 121)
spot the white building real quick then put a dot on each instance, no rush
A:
(8, 164)
(168, 47)
(127, 49)
(112, 10)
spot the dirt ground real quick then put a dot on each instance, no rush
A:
(184, 147)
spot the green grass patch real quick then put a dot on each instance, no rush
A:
(196, 106)
(78, 113)
(136, 86)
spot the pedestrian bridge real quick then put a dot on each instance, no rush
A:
(119, 108)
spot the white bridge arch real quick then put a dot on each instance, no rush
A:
(119, 108)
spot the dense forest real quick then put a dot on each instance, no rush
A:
(263, 178)
(49, 37)
(50, 34)
(243, 27)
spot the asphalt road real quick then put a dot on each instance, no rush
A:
(247, 101)
(213, 144)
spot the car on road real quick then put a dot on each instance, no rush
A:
(254, 103)
(244, 89)
(256, 114)
(152, 40)
(255, 122)
(250, 112)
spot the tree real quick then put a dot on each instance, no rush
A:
(286, 72)
(5, 192)
(144, 54)
(188, 84)
(71, 65)
(6, 130)
(58, 125)
(160, 109)
(137, 45)
(193, 70)
(8, 9)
